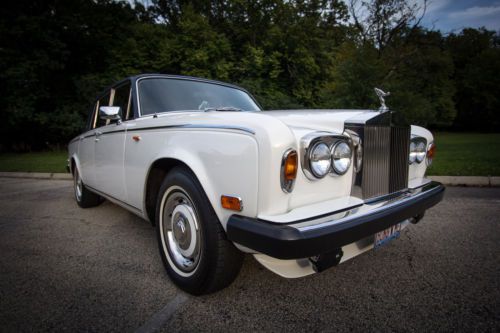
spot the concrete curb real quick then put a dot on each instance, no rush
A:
(446, 180)
(37, 175)
(485, 181)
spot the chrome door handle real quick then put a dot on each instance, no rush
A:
(97, 135)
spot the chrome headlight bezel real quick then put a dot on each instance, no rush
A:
(311, 141)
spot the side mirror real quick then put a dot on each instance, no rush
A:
(110, 112)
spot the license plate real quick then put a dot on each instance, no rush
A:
(385, 236)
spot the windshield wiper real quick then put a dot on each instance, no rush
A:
(223, 108)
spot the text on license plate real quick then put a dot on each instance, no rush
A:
(385, 236)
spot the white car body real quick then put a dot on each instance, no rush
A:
(231, 153)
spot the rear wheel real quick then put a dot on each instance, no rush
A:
(197, 256)
(84, 198)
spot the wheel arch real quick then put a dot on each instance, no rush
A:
(74, 163)
(156, 173)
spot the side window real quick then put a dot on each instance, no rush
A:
(92, 115)
(103, 101)
(121, 98)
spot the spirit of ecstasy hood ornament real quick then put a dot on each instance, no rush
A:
(381, 94)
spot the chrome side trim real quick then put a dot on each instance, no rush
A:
(193, 126)
(116, 201)
(216, 126)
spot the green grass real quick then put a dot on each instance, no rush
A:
(466, 154)
(458, 154)
(34, 162)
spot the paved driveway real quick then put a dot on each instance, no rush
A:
(66, 268)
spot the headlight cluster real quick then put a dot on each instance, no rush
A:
(323, 158)
(417, 150)
(320, 160)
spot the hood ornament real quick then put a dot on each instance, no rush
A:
(381, 94)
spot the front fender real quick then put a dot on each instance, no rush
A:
(225, 163)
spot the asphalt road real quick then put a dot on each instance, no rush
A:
(68, 269)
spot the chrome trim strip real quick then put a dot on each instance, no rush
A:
(216, 126)
(116, 201)
(190, 126)
(353, 213)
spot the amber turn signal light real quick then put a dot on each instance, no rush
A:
(431, 152)
(291, 166)
(231, 203)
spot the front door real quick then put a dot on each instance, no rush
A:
(109, 149)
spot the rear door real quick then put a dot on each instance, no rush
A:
(109, 147)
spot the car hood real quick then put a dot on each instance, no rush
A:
(318, 120)
(271, 126)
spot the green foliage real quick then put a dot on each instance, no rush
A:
(466, 154)
(476, 54)
(56, 56)
(50, 161)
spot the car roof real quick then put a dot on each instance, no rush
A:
(135, 78)
(183, 77)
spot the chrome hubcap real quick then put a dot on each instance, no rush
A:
(181, 230)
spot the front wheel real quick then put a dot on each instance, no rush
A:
(197, 256)
(84, 198)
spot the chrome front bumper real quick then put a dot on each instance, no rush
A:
(324, 234)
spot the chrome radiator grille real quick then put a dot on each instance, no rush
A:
(376, 160)
(400, 150)
(385, 159)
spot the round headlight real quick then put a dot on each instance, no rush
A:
(420, 151)
(413, 153)
(319, 160)
(341, 157)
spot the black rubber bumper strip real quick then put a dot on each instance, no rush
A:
(287, 242)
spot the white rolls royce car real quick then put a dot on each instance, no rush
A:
(300, 190)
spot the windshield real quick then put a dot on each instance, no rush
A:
(158, 95)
